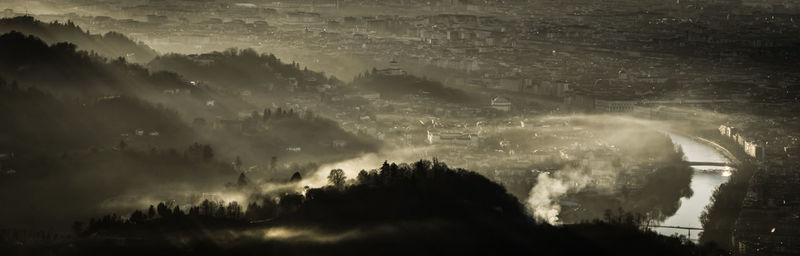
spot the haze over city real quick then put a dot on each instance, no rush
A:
(399, 127)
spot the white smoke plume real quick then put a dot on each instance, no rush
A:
(543, 200)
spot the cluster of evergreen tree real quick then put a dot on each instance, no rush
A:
(168, 217)
(446, 192)
(198, 151)
(165, 216)
(280, 113)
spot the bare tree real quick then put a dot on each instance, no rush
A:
(337, 178)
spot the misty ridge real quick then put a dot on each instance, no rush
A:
(248, 144)
(87, 114)
(111, 44)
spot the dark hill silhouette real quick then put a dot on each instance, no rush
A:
(111, 45)
(64, 71)
(424, 208)
(32, 62)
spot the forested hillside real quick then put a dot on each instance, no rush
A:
(111, 45)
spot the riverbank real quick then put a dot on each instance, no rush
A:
(719, 218)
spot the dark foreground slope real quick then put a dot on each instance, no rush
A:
(419, 209)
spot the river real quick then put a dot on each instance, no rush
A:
(703, 184)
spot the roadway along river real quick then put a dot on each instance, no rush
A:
(703, 184)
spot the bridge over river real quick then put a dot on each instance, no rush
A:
(722, 164)
(688, 229)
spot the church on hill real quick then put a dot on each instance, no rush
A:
(393, 70)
